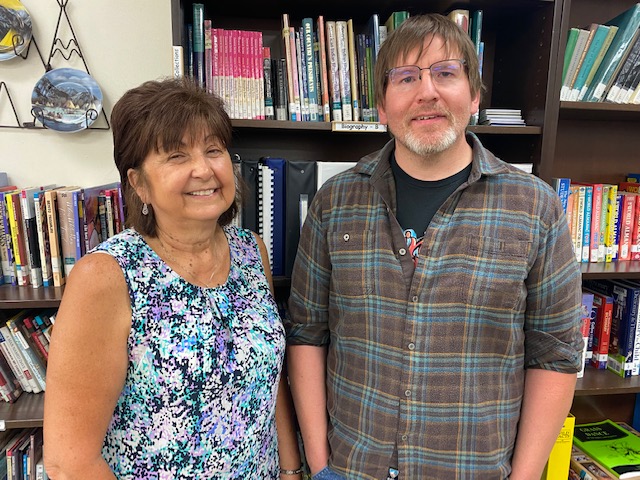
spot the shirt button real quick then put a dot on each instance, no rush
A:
(346, 237)
(414, 298)
(407, 393)
(404, 438)
(411, 346)
(402, 251)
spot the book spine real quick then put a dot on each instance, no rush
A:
(334, 72)
(596, 213)
(353, 72)
(342, 44)
(626, 224)
(43, 238)
(289, 62)
(302, 75)
(312, 88)
(586, 230)
(17, 236)
(198, 43)
(6, 245)
(282, 89)
(324, 77)
(57, 264)
(30, 231)
(208, 79)
(268, 85)
(610, 236)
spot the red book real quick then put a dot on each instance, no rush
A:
(603, 307)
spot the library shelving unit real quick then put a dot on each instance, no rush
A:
(598, 142)
(522, 69)
(28, 410)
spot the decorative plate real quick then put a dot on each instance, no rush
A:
(66, 100)
(15, 29)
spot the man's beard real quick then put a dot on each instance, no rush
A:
(417, 145)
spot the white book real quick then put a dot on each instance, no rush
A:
(326, 170)
(334, 72)
(344, 74)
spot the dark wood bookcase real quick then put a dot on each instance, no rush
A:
(522, 69)
(28, 410)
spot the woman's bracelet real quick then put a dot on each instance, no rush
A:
(284, 471)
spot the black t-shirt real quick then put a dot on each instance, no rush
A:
(417, 201)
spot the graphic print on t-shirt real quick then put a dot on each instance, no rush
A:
(413, 244)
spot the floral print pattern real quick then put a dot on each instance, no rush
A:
(204, 366)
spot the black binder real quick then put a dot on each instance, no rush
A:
(301, 181)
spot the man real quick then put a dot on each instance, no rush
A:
(457, 361)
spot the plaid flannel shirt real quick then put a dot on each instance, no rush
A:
(425, 366)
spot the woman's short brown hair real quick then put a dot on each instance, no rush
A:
(155, 116)
(411, 34)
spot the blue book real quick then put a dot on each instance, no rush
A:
(310, 67)
(198, 43)
(561, 186)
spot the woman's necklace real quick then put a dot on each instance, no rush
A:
(193, 276)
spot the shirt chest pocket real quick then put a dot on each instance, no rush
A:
(352, 254)
(492, 272)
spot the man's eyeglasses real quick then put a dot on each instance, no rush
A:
(443, 73)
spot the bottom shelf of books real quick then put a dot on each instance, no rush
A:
(26, 411)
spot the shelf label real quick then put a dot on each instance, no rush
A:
(2, 426)
(358, 127)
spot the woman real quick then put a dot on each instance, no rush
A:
(168, 348)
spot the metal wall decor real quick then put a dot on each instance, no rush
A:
(64, 99)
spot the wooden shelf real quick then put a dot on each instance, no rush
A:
(12, 297)
(26, 412)
(611, 270)
(599, 111)
(604, 382)
(326, 127)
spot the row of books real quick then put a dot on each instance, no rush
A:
(604, 219)
(24, 352)
(21, 454)
(44, 230)
(611, 325)
(279, 193)
(602, 62)
(325, 72)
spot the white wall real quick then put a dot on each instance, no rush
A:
(124, 43)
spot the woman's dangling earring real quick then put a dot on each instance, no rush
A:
(145, 209)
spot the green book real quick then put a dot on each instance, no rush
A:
(395, 19)
(572, 37)
(612, 446)
(601, 32)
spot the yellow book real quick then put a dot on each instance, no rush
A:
(610, 237)
(557, 466)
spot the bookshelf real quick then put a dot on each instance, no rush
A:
(597, 142)
(28, 410)
(522, 69)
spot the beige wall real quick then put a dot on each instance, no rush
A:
(124, 43)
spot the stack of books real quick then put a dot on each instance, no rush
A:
(502, 117)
